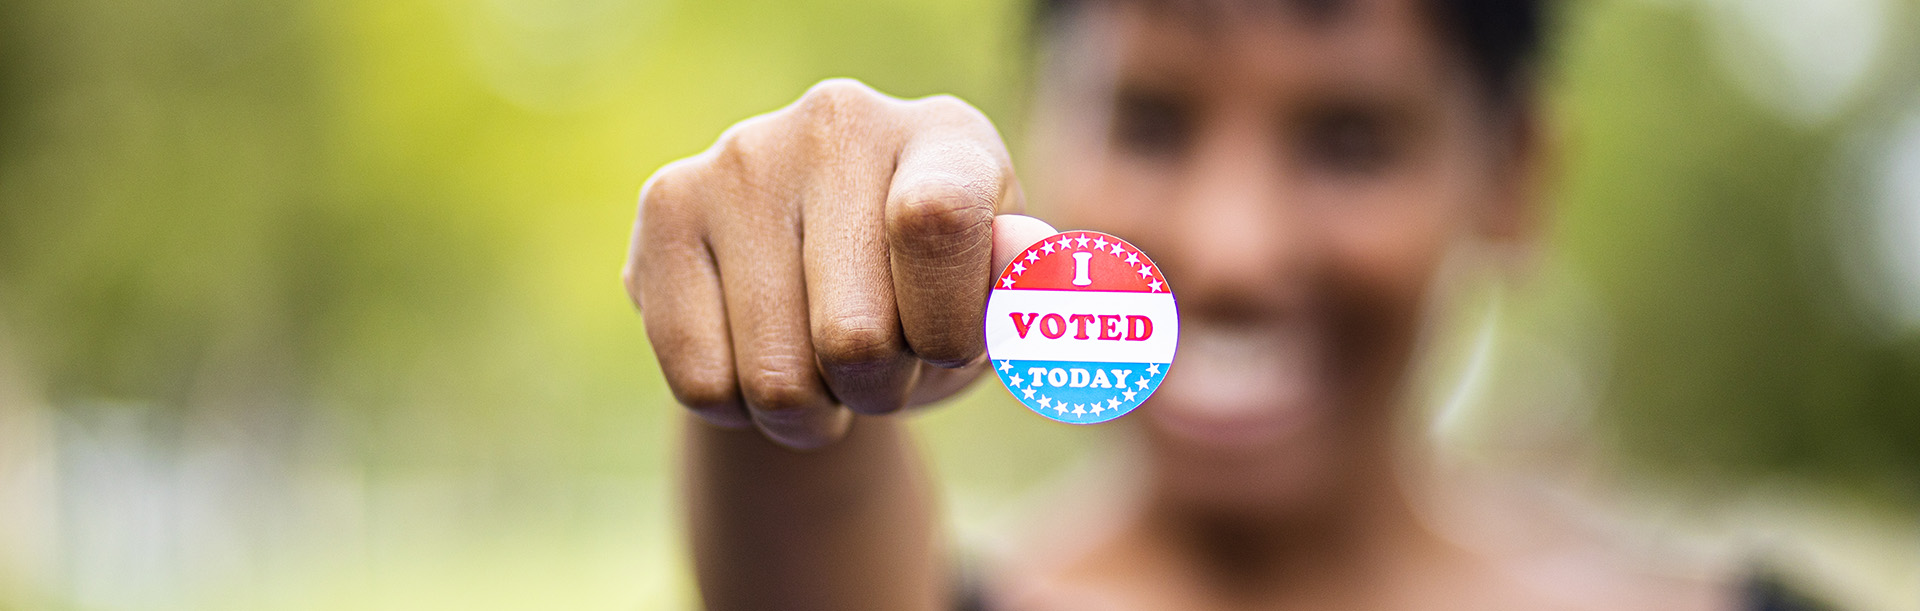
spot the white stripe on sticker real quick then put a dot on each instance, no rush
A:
(1088, 326)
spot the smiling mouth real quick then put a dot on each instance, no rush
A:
(1241, 385)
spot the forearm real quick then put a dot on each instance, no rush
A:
(850, 526)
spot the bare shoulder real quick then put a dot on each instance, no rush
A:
(1545, 550)
(1598, 578)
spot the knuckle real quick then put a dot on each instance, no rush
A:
(944, 208)
(951, 107)
(837, 109)
(741, 154)
(954, 115)
(753, 158)
(732, 153)
(698, 371)
(951, 348)
(838, 95)
(665, 194)
(703, 391)
(851, 341)
(779, 389)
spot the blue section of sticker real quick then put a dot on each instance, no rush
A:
(1079, 392)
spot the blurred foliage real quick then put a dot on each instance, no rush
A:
(378, 244)
(1706, 224)
(382, 206)
(369, 251)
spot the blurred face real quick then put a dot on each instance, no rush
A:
(1299, 176)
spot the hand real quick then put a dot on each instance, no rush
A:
(829, 256)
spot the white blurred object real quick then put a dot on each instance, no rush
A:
(1876, 222)
(1896, 223)
(1806, 60)
(27, 501)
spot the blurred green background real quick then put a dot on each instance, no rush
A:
(314, 305)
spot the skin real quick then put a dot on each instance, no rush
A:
(1298, 177)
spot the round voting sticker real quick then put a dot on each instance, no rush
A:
(1081, 327)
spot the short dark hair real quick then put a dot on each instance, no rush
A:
(1500, 40)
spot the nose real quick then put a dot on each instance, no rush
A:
(1239, 246)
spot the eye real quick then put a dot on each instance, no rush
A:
(1152, 125)
(1351, 141)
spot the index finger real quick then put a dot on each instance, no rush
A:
(940, 211)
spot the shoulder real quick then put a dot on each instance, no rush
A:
(1596, 580)
(1538, 548)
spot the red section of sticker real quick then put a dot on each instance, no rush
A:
(1125, 270)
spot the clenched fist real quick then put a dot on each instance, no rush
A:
(829, 256)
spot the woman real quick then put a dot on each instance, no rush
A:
(1299, 169)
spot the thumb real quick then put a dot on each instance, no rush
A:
(1012, 234)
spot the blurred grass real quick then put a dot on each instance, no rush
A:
(325, 293)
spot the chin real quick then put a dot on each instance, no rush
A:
(1265, 464)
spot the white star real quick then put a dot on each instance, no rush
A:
(1007, 282)
(1113, 404)
(1032, 256)
(1060, 407)
(1143, 382)
(1019, 268)
(1129, 394)
(1146, 271)
(1132, 258)
(1048, 247)
(1154, 369)
(1017, 381)
(1079, 409)
(1082, 240)
(1006, 365)
(1117, 249)
(1028, 392)
(1155, 284)
(1066, 242)
(1097, 409)
(1045, 402)
(1100, 243)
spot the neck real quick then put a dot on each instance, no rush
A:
(1333, 544)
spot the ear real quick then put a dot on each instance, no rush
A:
(1516, 217)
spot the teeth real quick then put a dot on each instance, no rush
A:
(1236, 372)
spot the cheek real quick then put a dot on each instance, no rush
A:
(1384, 248)
(1112, 195)
(1391, 248)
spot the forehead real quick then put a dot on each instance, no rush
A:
(1352, 47)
